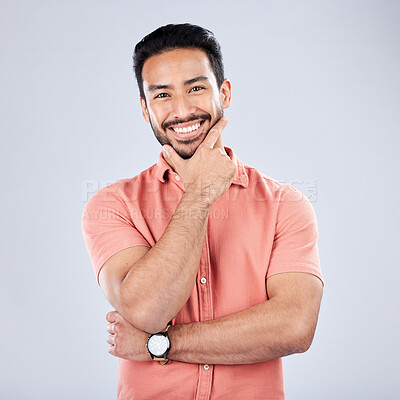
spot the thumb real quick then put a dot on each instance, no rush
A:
(171, 157)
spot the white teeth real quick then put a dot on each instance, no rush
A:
(188, 129)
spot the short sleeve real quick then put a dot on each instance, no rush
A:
(295, 247)
(108, 228)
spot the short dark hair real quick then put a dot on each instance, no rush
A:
(171, 37)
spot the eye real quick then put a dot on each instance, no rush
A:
(161, 95)
(196, 88)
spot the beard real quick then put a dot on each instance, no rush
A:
(186, 151)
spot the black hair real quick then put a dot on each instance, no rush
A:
(171, 37)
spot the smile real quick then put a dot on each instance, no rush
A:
(188, 129)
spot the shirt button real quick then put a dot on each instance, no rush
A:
(203, 280)
(206, 367)
(177, 178)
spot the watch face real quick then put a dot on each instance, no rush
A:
(158, 344)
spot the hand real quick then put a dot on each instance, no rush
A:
(210, 171)
(125, 340)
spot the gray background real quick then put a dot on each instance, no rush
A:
(315, 103)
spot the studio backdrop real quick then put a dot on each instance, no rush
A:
(315, 103)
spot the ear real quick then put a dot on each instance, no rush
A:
(145, 112)
(226, 93)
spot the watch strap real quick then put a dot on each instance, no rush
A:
(162, 360)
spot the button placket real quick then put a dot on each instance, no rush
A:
(205, 314)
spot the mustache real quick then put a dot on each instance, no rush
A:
(167, 124)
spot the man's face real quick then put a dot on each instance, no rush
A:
(183, 101)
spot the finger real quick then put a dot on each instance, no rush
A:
(110, 329)
(111, 316)
(111, 340)
(214, 133)
(172, 157)
(113, 351)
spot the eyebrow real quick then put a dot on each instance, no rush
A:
(152, 88)
(197, 79)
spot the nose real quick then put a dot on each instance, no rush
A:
(182, 107)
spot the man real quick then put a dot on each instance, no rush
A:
(211, 266)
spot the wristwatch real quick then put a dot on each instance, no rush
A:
(158, 345)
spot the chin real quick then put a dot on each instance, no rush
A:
(187, 148)
(186, 153)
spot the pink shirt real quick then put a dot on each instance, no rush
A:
(256, 229)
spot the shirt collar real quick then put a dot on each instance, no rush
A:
(241, 177)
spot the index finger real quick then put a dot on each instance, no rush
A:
(111, 316)
(214, 133)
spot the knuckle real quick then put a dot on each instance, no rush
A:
(111, 316)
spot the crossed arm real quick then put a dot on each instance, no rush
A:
(280, 326)
(283, 325)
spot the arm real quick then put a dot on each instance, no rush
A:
(149, 287)
(157, 286)
(283, 325)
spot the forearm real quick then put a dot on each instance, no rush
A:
(160, 283)
(260, 333)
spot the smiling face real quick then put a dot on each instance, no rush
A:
(183, 101)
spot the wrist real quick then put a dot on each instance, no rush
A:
(198, 196)
(181, 343)
(174, 333)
